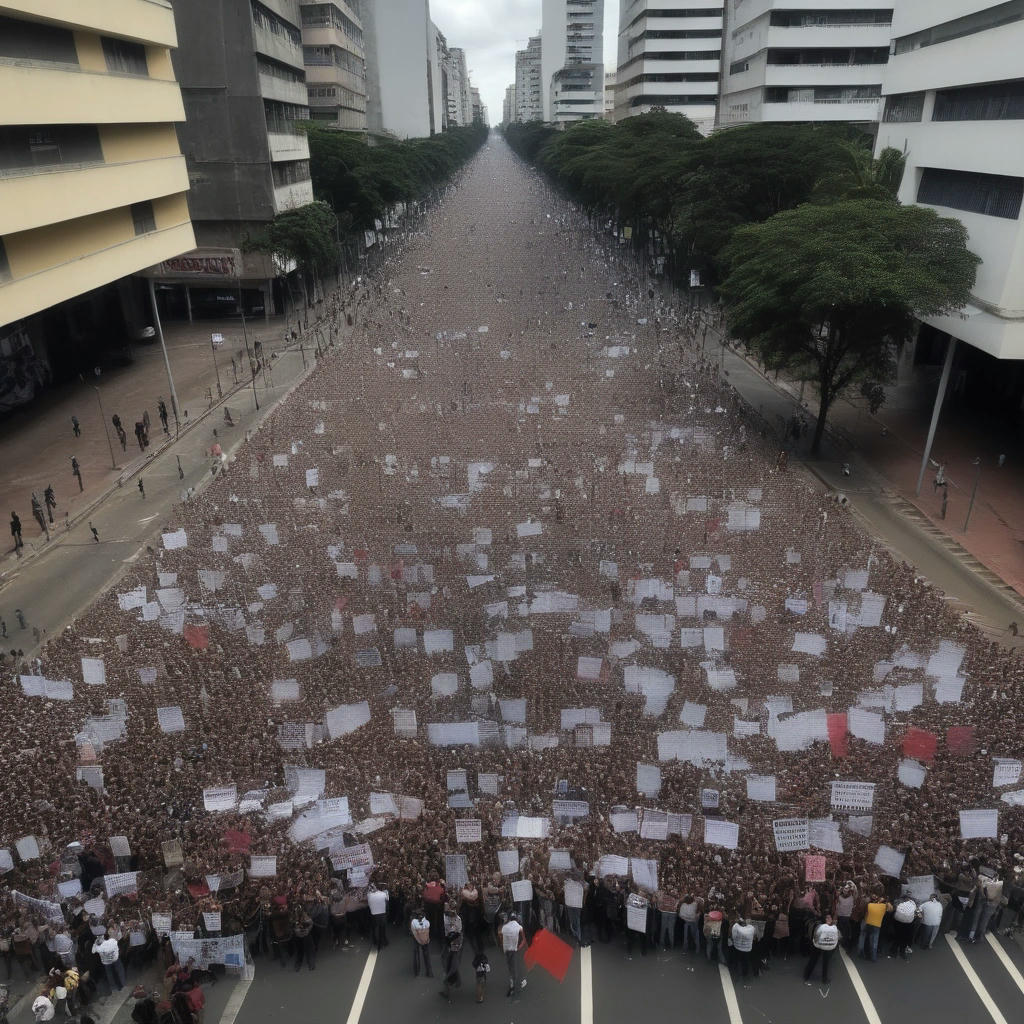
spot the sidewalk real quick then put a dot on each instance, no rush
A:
(38, 442)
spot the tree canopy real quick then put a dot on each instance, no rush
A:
(306, 235)
(833, 289)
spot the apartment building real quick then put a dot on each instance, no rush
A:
(335, 63)
(609, 95)
(572, 66)
(508, 105)
(954, 104)
(92, 181)
(529, 98)
(669, 56)
(243, 83)
(820, 60)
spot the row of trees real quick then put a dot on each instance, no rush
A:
(356, 185)
(795, 228)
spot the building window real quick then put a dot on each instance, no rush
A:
(291, 172)
(5, 267)
(284, 117)
(904, 107)
(143, 218)
(124, 57)
(265, 19)
(995, 195)
(24, 147)
(1002, 101)
(737, 67)
(969, 25)
(32, 40)
(826, 19)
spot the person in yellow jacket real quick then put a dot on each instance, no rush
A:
(877, 908)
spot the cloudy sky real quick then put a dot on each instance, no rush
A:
(490, 31)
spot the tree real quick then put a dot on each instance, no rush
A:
(833, 290)
(859, 175)
(306, 236)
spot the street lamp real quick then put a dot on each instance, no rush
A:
(976, 463)
(216, 340)
(103, 418)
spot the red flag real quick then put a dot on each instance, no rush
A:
(838, 737)
(197, 637)
(960, 739)
(920, 744)
(550, 952)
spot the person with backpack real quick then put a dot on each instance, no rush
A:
(482, 967)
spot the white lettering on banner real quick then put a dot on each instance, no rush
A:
(344, 858)
(457, 780)
(920, 887)
(262, 867)
(1006, 772)
(654, 825)
(680, 824)
(455, 876)
(226, 949)
(117, 884)
(613, 864)
(570, 808)
(522, 891)
(161, 923)
(823, 833)
(468, 830)
(721, 833)
(573, 894)
(624, 821)
(636, 913)
(644, 872)
(979, 824)
(853, 796)
(44, 908)
(526, 828)
(211, 920)
(709, 798)
(487, 782)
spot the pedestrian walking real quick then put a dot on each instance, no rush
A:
(37, 514)
(140, 434)
(482, 967)
(51, 501)
(142, 490)
(161, 410)
(823, 945)
(75, 427)
(21, 617)
(95, 532)
(16, 531)
(420, 928)
(76, 471)
(513, 938)
(451, 957)
(122, 434)
(3, 627)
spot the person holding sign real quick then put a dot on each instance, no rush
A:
(513, 939)
(823, 945)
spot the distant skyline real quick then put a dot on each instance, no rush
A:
(490, 31)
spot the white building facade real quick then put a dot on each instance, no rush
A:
(669, 56)
(820, 60)
(529, 95)
(954, 103)
(572, 66)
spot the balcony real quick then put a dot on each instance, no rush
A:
(823, 74)
(47, 95)
(330, 36)
(27, 295)
(277, 47)
(331, 75)
(814, 36)
(282, 90)
(144, 21)
(824, 110)
(36, 198)
(286, 146)
(288, 197)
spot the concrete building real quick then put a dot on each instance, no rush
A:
(92, 181)
(572, 68)
(437, 58)
(460, 101)
(670, 56)
(529, 102)
(508, 106)
(396, 41)
(332, 51)
(242, 79)
(609, 95)
(477, 112)
(954, 104)
(820, 61)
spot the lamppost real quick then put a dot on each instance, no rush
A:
(976, 462)
(216, 340)
(103, 417)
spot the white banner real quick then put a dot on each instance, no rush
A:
(979, 824)
(791, 834)
(721, 833)
(468, 830)
(853, 796)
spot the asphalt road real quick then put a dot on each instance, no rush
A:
(934, 986)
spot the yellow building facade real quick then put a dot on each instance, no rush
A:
(92, 181)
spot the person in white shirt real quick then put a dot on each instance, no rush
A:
(377, 900)
(743, 933)
(420, 928)
(110, 957)
(513, 938)
(42, 1009)
(823, 945)
(903, 918)
(931, 919)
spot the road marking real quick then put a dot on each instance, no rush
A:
(586, 987)
(858, 986)
(364, 987)
(972, 977)
(730, 995)
(1011, 967)
(235, 1000)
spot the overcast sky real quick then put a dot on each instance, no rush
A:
(490, 31)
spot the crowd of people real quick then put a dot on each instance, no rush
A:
(512, 436)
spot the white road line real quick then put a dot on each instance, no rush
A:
(972, 977)
(730, 995)
(364, 987)
(235, 1000)
(858, 986)
(1011, 967)
(586, 987)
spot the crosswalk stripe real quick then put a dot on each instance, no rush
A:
(364, 987)
(732, 1004)
(858, 986)
(1011, 967)
(972, 977)
(586, 987)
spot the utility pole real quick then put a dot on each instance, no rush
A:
(974, 490)
(163, 348)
